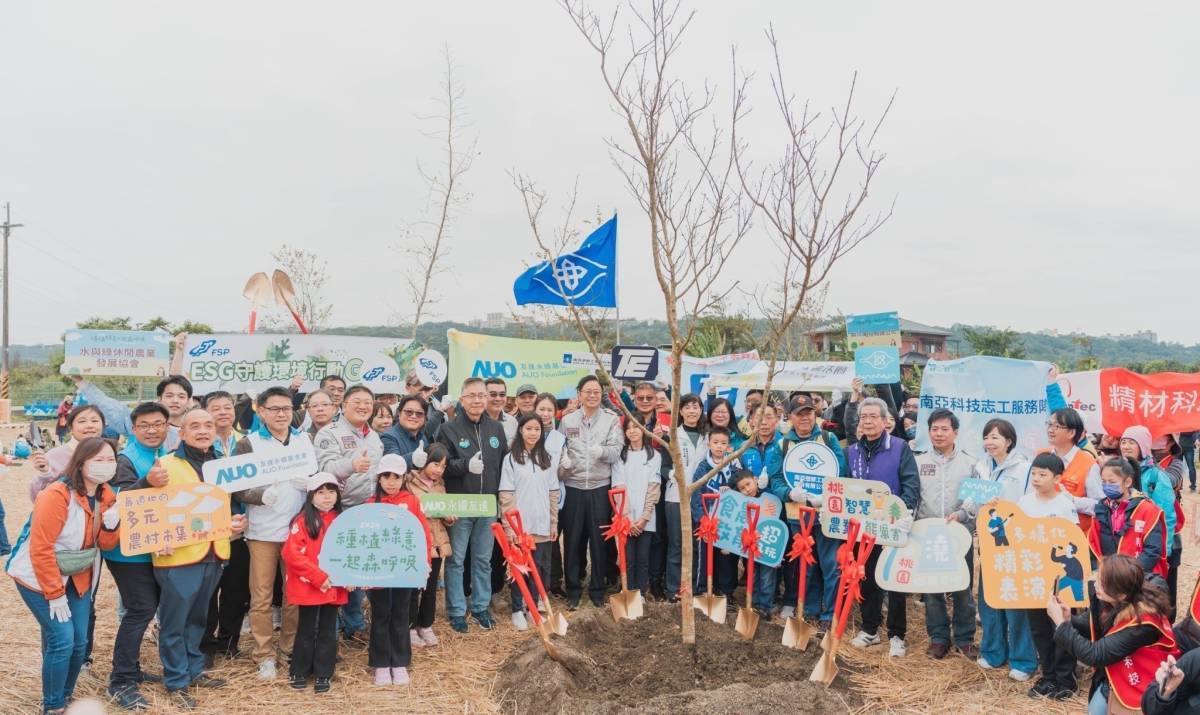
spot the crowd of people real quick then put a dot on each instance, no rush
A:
(554, 462)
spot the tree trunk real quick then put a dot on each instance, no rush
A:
(686, 578)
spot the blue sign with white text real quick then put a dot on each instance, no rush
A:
(772, 531)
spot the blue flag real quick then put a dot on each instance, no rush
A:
(586, 277)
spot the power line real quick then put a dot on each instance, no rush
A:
(84, 271)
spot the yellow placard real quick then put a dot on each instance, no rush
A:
(1022, 559)
(173, 516)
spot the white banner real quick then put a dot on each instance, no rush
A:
(1081, 390)
(262, 467)
(790, 376)
(237, 363)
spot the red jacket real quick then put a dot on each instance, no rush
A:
(410, 501)
(304, 577)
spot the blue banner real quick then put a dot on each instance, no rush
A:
(772, 531)
(587, 277)
(877, 365)
(872, 323)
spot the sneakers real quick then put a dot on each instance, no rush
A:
(205, 680)
(937, 651)
(484, 619)
(1043, 688)
(1061, 693)
(865, 640)
(1018, 675)
(128, 698)
(573, 604)
(428, 636)
(181, 699)
(787, 612)
(321, 685)
(400, 676)
(896, 647)
(414, 638)
(298, 682)
(266, 669)
(459, 624)
(519, 622)
(982, 663)
(383, 676)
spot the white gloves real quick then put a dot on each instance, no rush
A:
(763, 480)
(565, 462)
(418, 457)
(798, 495)
(475, 466)
(441, 405)
(112, 518)
(817, 500)
(270, 496)
(595, 451)
(59, 610)
(300, 483)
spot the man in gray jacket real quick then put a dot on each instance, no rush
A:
(594, 443)
(942, 470)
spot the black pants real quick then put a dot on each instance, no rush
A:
(541, 561)
(556, 564)
(499, 569)
(139, 592)
(658, 545)
(390, 646)
(1173, 575)
(1189, 458)
(229, 603)
(1057, 663)
(872, 606)
(725, 570)
(637, 561)
(583, 514)
(422, 606)
(316, 642)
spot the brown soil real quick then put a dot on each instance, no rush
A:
(641, 666)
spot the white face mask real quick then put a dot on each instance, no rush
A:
(100, 472)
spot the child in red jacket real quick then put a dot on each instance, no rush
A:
(390, 649)
(307, 586)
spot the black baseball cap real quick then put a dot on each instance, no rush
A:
(801, 403)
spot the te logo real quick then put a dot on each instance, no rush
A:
(202, 348)
(372, 374)
(635, 362)
(233, 474)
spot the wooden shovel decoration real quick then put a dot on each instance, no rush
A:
(712, 606)
(554, 622)
(626, 604)
(796, 631)
(747, 619)
(258, 292)
(516, 573)
(285, 295)
(849, 593)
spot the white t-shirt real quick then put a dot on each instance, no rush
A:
(1062, 506)
(531, 486)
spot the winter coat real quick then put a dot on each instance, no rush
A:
(463, 438)
(603, 430)
(338, 444)
(941, 476)
(437, 527)
(303, 578)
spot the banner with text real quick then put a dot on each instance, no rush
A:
(1115, 398)
(132, 353)
(978, 389)
(262, 467)
(173, 516)
(237, 363)
(516, 360)
(375, 546)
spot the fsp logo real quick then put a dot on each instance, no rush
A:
(202, 348)
(635, 362)
(372, 374)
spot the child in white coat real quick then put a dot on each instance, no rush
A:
(638, 472)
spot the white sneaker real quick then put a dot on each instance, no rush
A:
(897, 647)
(428, 636)
(266, 670)
(519, 622)
(1019, 675)
(415, 638)
(865, 640)
(982, 663)
(787, 612)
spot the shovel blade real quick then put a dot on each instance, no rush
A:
(631, 605)
(826, 641)
(825, 670)
(715, 607)
(747, 623)
(617, 605)
(797, 633)
(558, 623)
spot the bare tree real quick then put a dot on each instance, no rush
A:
(692, 184)
(308, 272)
(425, 245)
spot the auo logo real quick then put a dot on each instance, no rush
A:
(202, 348)
(494, 368)
(372, 374)
(233, 474)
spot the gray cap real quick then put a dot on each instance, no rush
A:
(527, 387)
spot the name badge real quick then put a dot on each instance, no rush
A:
(348, 442)
(928, 470)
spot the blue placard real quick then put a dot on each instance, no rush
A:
(375, 545)
(869, 323)
(980, 491)
(772, 531)
(877, 364)
(142, 353)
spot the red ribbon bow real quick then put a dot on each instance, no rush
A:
(750, 544)
(707, 531)
(802, 548)
(621, 523)
(512, 556)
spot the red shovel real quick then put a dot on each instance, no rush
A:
(555, 622)
(516, 574)
(850, 592)
(626, 604)
(747, 619)
(712, 606)
(796, 631)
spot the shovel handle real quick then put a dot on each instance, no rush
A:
(513, 517)
(616, 498)
(515, 572)
(708, 502)
(752, 512)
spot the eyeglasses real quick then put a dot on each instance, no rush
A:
(590, 393)
(1054, 426)
(473, 396)
(412, 413)
(285, 409)
(361, 403)
(151, 426)
(501, 393)
(644, 398)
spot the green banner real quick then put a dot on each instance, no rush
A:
(544, 363)
(437, 506)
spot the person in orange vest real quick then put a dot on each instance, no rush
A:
(1135, 634)
(1128, 522)
(1081, 479)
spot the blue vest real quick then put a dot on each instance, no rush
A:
(882, 466)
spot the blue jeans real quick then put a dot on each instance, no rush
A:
(63, 644)
(477, 534)
(763, 598)
(5, 547)
(350, 616)
(541, 559)
(1098, 705)
(821, 589)
(183, 618)
(1006, 637)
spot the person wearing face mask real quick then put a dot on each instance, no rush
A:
(1127, 522)
(55, 562)
(84, 422)
(1157, 484)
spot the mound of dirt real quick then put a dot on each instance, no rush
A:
(605, 668)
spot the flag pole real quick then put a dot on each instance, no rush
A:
(617, 280)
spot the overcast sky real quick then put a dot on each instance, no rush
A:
(1042, 154)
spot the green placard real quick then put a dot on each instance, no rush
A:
(437, 506)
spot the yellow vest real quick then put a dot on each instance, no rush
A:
(180, 472)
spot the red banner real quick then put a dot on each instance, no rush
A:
(1163, 402)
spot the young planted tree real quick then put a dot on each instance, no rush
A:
(308, 272)
(426, 242)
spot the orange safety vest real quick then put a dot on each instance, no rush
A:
(1129, 677)
(1130, 543)
(1074, 481)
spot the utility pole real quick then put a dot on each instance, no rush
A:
(7, 228)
